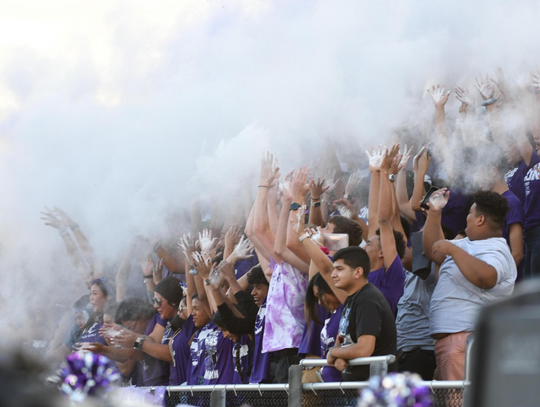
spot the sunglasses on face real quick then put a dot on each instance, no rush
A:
(157, 301)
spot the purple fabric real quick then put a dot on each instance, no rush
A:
(515, 214)
(195, 369)
(155, 371)
(515, 177)
(260, 371)
(91, 334)
(285, 319)
(532, 194)
(390, 283)
(328, 340)
(218, 357)
(180, 352)
(243, 266)
(454, 214)
(246, 359)
(420, 219)
(311, 338)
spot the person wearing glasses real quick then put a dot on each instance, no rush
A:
(154, 344)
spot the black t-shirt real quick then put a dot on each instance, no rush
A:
(367, 313)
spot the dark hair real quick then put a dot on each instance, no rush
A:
(311, 301)
(493, 206)
(406, 227)
(462, 232)
(343, 224)
(170, 288)
(81, 303)
(218, 320)
(111, 309)
(400, 242)
(134, 309)
(354, 256)
(100, 282)
(256, 276)
(447, 232)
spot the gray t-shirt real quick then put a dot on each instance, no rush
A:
(456, 301)
(412, 322)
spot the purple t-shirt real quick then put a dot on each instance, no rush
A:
(155, 371)
(515, 214)
(390, 283)
(328, 340)
(242, 356)
(454, 214)
(532, 194)
(218, 357)
(195, 369)
(311, 338)
(285, 319)
(515, 177)
(261, 361)
(91, 334)
(243, 266)
(180, 352)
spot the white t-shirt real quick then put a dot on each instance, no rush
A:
(456, 301)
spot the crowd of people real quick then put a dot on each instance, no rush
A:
(339, 266)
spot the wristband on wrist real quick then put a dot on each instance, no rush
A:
(489, 102)
(316, 204)
(303, 237)
(262, 186)
(157, 246)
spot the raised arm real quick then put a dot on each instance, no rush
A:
(421, 163)
(375, 159)
(317, 190)
(440, 97)
(385, 212)
(402, 196)
(432, 229)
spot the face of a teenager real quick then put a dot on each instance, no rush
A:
(472, 219)
(329, 228)
(373, 248)
(165, 309)
(200, 317)
(183, 310)
(343, 275)
(97, 298)
(228, 335)
(81, 319)
(259, 293)
(328, 301)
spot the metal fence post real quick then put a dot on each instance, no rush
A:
(378, 369)
(218, 398)
(295, 386)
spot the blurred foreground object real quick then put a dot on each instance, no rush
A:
(506, 352)
(396, 390)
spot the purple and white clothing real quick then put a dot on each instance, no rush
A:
(91, 334)
(516, 176)
(328, 340)
(243, 359)
(260, 371)
(155, 372)
(180, 352)
(285, 320)
(195, 369)
(390, 282)
(532, 194)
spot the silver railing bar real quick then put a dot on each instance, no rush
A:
(353, 362)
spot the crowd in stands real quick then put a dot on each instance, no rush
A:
(397, 257)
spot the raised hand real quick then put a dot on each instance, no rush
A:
(352, 183)
(375, 159)
(487, 91)
(422, 160)
(52, 220)
(269, 170)
(202, 264)
(330, 180)
(405, 158)
(388, 157)
(465, 97)
(232, 237)
(438, 200)
(300, 186)
(347, 208)
(206, 243)
(158, 269)
(316, 235)
(318, 188)
(439, 95)
(187, 244)
(298, 226)
(243, 249)
(147, 266)
(64, 217)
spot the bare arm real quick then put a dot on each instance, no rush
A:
(385, 212)
(432, 229)
(420, 166)
(363, 348)
(516, 242)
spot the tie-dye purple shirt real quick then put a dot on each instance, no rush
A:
(285, 320)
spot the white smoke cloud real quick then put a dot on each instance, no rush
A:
(125, 112)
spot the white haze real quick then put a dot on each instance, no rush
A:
(122, 112)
